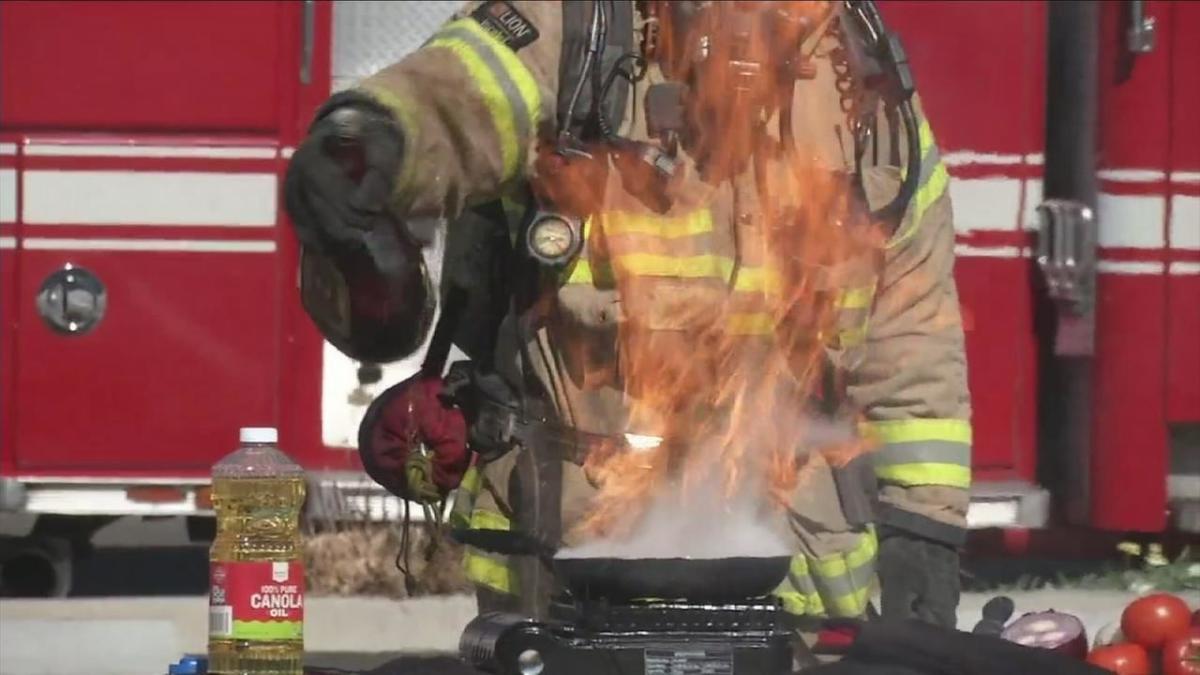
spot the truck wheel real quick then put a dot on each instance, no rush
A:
(36, 567)
(201, 529)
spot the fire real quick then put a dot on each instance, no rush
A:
(725, 374)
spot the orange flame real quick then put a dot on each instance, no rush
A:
(730, 402)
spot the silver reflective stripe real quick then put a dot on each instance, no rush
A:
(802, 583)
(929, 163)
(521, 113)
(923, 452)
(863, 576)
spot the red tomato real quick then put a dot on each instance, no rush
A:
(1196, 618)
(1122, 659)
(1154, 619)
(1181, 656)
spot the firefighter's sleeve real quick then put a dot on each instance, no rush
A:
(470, 104)
(912, 382)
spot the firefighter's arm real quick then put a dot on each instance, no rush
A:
(470, 104)
(912, 383)
(451, 125)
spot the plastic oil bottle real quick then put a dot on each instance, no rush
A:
(256, 599)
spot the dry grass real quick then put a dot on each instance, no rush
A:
(345, 553)
(360, 559)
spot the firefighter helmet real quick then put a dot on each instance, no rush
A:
(374, 302)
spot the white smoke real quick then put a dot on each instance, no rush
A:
(700, 524)
(703, 522)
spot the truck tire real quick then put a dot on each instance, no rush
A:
(36, 567)
(201, 529)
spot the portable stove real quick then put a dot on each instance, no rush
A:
(600, 637)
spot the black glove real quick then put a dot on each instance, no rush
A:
(918, 578)
(489, 404)
(341, 177)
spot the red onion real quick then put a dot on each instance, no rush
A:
(1060, 632)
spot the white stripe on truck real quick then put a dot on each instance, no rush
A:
(149, 198)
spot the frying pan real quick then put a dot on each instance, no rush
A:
(711, 580)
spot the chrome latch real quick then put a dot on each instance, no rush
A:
(1141, 34)
(72, 300)
(1066, 253)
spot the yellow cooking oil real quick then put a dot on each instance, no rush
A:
(256, 597)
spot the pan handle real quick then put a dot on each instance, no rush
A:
(504, 542)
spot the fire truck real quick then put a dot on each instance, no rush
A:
(148, 276)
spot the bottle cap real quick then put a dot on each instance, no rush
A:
(258, 435)
(190, 664)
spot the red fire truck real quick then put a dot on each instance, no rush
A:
(148, 281)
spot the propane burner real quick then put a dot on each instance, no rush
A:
(650, 637)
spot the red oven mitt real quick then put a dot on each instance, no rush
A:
(412, 442)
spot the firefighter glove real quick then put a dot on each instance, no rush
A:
(489, 404)
(918, 578)
(340, 179)
(412, 443)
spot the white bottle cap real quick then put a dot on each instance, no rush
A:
(258, 435)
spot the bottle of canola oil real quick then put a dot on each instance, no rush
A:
(256, 598)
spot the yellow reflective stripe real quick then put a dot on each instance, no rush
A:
(852, 337)
(912, 430)
(485, 571)
(797, 592)
(836, 585)
(686, 267)
(486, 519)
(459, 520)
(516, 69)
(750, 323)
(757, 279)
(493, 98)
(926, 473)
(929, 193)
(697, 222)
(852, 604)
(856, 297)
(464, 498)
(480, 567)
(934, 181)
(582, 272)
(472, 481)
(803, 604)
(499, 103)
(841, 564)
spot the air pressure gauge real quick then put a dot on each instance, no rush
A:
(554, 239)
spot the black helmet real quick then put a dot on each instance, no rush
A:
(374, 302)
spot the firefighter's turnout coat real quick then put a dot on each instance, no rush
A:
(473, 103)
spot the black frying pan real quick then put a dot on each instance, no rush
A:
(714, 580)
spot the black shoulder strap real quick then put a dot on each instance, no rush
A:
(474, 283)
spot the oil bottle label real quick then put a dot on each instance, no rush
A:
(256, 600)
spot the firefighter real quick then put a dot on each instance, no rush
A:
(459, 128)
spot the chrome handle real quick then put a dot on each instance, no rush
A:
(1066, 251)
(308, 28)
(1140, 37)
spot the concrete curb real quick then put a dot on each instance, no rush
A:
(140, 636)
